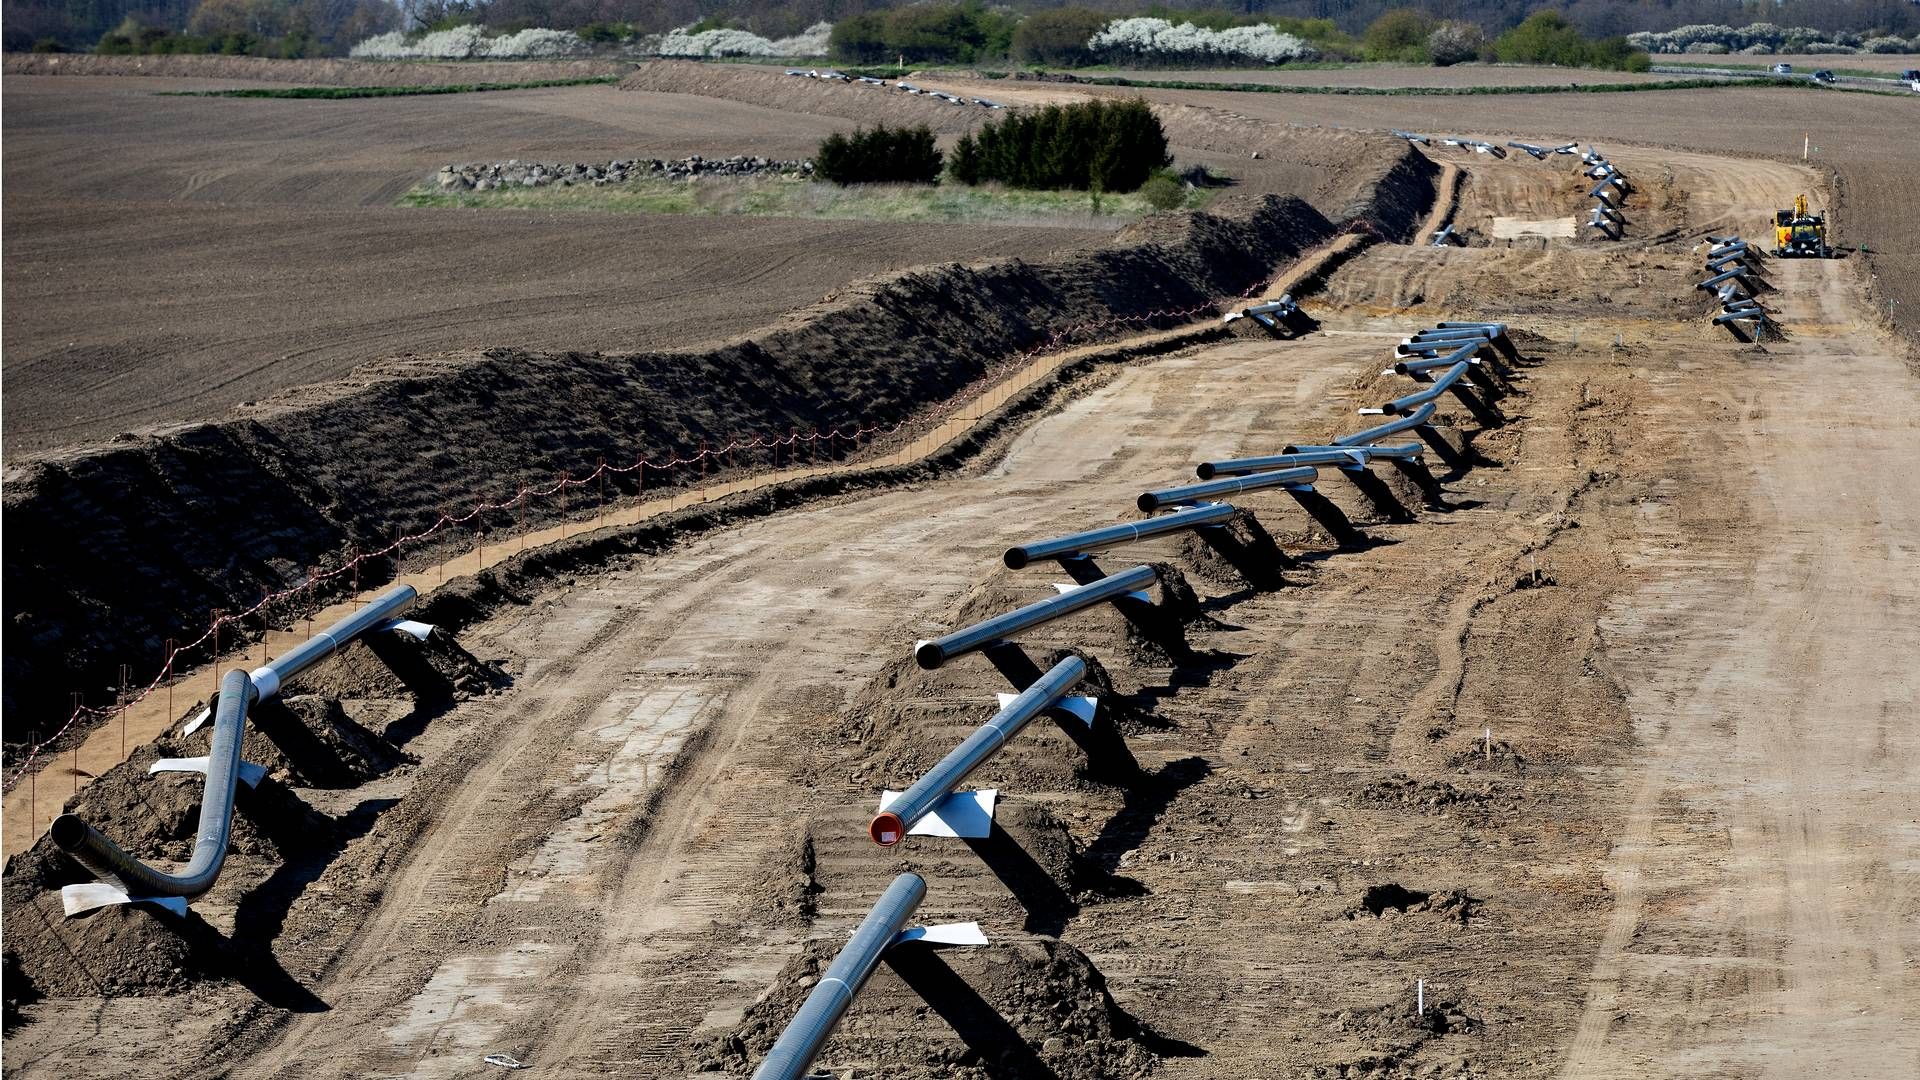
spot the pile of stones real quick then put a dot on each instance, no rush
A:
(516, 173)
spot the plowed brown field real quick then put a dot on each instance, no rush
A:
(171, 257)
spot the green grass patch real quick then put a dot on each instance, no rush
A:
(332, 93)
(763, 197)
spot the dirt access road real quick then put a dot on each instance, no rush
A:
(1767, 877)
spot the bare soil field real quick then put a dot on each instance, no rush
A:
(171, 257)
(1603, 742)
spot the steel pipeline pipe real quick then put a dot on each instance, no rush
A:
(1232, 485)
(1724, 275)
(1392, 427)
(1283, 305)
(1126, 533)
(1341, 456)
(1497, 327)
(793, 1052)
(1402, 405)
(1449, 340)
(1455, 333)
(1463, 354)
(1415, 367)
(109, 863)
(932, 654)
(268, 678)
(890, 826)
(1403, 452)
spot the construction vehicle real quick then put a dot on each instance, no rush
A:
(1800, 233)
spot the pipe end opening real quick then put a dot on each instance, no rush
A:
(1204, 471)
(886, 829)
(1015, 558)
(929, 655)
(68, 832)
(1147, 502)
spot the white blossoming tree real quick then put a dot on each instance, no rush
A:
(1160, 42)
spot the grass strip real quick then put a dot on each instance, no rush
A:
(333, 93)
(938, 204)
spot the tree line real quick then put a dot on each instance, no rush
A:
(1045, 32)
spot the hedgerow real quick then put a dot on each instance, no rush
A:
(1111, 146)
(882, 155)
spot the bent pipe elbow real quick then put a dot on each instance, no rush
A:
(1392, 427)
(107, 860)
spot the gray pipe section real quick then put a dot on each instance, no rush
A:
(952, 771)
(1461, 355)
(1207, 470)
(1496, 327)
(1392, 427)
(793, 1052)
(932, 654)
(109, 863)
(1125, 533)
(1402, 405)
(1402, 452)
(1724, 275)
(1232, 485)
(331, 640)
(1455, 333)
(268, 678)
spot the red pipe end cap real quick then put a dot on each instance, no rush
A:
(887, 829)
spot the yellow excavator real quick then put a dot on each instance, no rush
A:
(1800, 233)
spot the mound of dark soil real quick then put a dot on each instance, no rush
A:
(1036, 1008)
(432, 672)
(309, 741)
(1394, 1024)
(154, 817)
(1240, 553)
(117, 951)
(908, 719)
(1436, 796)
(1394, 898)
